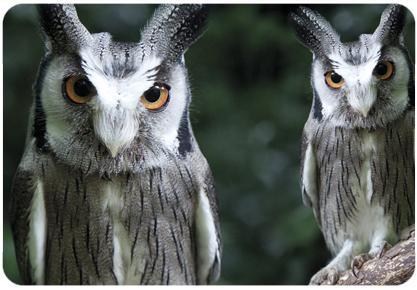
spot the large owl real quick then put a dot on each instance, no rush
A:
(112, 187)
(358, 142)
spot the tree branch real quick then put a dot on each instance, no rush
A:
(395, 266)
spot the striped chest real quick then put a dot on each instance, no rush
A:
(365, 183)
(127, 229)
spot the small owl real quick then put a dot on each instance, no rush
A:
(358, 142)
(112, 187)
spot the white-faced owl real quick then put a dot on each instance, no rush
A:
(358, 143)
(112, 187)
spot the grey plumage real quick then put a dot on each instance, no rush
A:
(357, 163)
(108, 191)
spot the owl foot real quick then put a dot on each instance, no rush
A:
(326, 276)
(377, 251)
(358, 261)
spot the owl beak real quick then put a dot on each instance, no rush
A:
(113, 150)
(116, 128)
(362, 102)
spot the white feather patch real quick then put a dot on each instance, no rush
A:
(168, 127)
(126, 271)
(368, 147)
(53, 102)
(37, 235)
(207, 245)
(309, 174)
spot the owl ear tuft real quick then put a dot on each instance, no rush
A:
(314, 31)
(391, 25)
(61, 27)
(173, 28)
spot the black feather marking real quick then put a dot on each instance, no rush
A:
(108, 236)
(66, 193)
(155, 259)
(177, 250)
(151, 180)
(148, 239)
(317, 107)
(398, 218)
(160, 198)
(163, 265)
(183, 179)
(144, 271)
(87, 235)
(394, 192)
(62, 268)
(135, 240)
(353, 163)
(410, 207)
(114, 276)
(39, 123)
(184, 135)
(155, 225)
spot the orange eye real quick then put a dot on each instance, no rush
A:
(79, 89)
(384, 70)
(156, 97)
(334, 80)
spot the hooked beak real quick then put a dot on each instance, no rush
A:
(116, 128)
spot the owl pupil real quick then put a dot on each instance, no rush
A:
(381, 69)
(83, 87)
(152, 95)
(336, 78)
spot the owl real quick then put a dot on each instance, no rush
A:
(112, 187)
(357, 168)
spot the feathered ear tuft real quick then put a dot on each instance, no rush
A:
(314, 31)
(173, 28)
(391, 26)
(62, 29)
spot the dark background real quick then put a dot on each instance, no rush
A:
(251, 97)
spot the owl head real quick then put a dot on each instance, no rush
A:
(111, 106)
(363, 84)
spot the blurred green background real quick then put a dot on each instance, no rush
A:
(251, 97)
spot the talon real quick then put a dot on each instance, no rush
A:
(326, 276)
(333, 276)
(386, 246)
(357, 263)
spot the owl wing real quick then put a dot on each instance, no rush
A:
(28, 223)
(209, 244)
(22, 194)
(309, 171)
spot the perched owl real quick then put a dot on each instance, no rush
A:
(112, 187)
(358, 142)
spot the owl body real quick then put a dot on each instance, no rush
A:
(133, 228)
(368, 178)
(358, 143)
(112, 187)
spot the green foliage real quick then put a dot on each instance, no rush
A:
(251, 97)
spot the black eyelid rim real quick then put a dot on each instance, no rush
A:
(162, 85)
(80, 75)
(329, 71)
